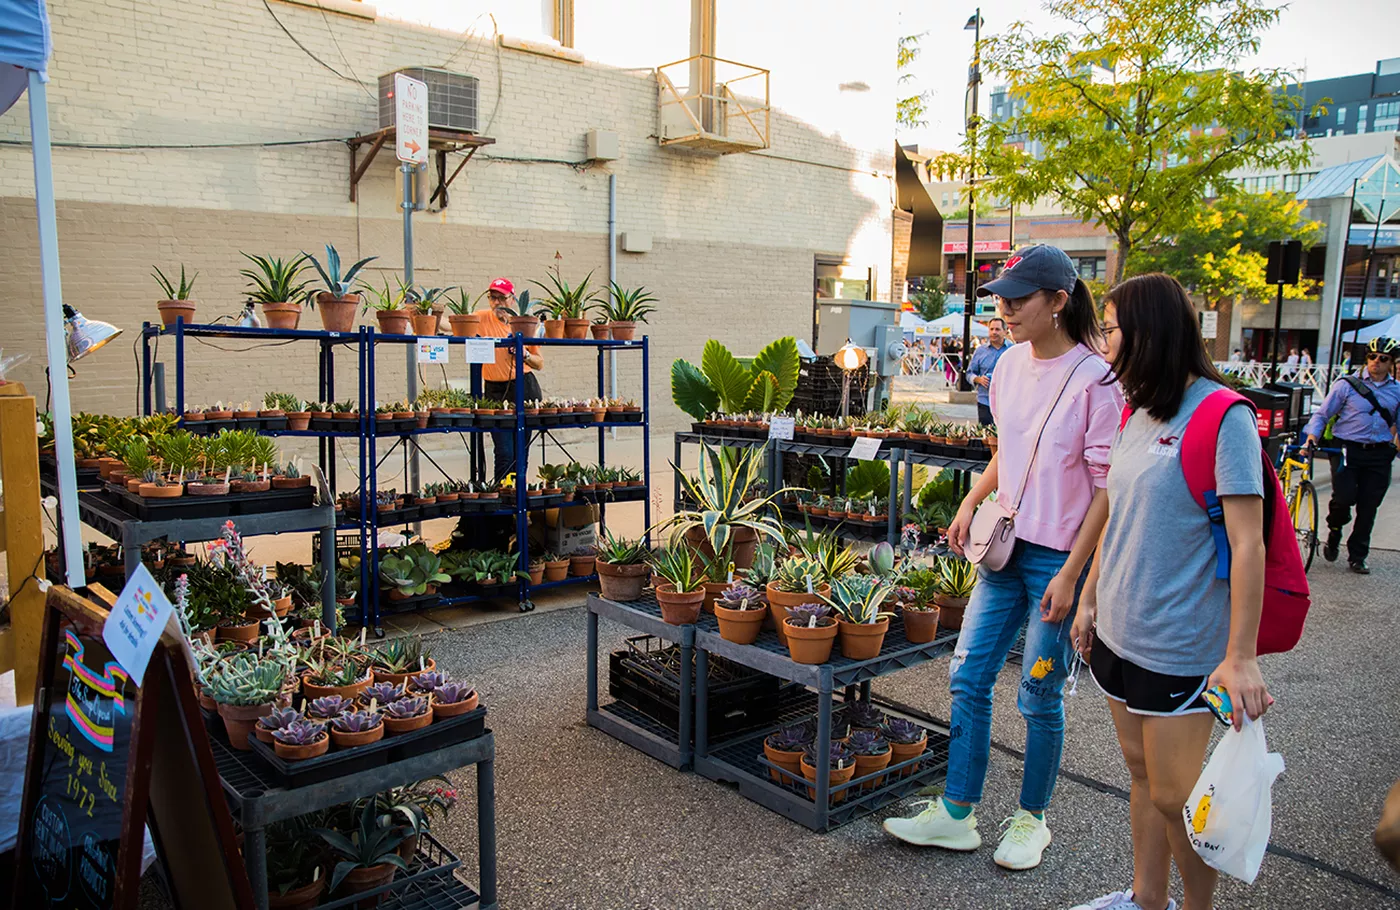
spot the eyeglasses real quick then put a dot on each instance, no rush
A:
(1375, 355)
(1109, 329)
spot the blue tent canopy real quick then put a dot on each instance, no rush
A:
(24, 45)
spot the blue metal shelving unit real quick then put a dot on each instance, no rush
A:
(366, 340)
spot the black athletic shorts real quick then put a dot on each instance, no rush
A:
(1143, 691)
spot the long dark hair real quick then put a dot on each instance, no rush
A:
(1080, 319)
(1161, 344)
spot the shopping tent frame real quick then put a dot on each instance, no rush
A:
(25, 47)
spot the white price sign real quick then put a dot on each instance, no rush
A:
(781, 427)
(481, 350)
(432, 350)
(865, 448)
(135, 623)
(410, 119)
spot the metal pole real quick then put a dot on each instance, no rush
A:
(411, 350)
(970, 292)
(1366, 275)
(1335, 340)
(56, 341)
(1278, 329)
(612, 277)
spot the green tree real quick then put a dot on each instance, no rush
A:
(930, 298)
(1137, 112)
(910, 113)
(1221, 252)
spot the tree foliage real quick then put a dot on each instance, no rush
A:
(930, 299)
(911, 112)
(1138, 112)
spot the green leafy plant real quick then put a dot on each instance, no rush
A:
(462, 304)
(369, 844)
(859, 598)
(628, 304)
(957, 577)
(412, 571)
(336, 283)
(620, 551)
(721, 494)
(276, 280)
(171, 290)
(722, 383)
(676, 566)
(401, 655)
(522, 305)
(568, 302)
(384, 300)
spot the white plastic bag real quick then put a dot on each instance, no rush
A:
(1230, 813)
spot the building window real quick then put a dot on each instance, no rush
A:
(1361, 119)
(945, 202)
(1091, 268)
(1292, 183)
(1387, 116)
(1341, 118)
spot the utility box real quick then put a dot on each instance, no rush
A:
(839, 320)
(603, 145)
(889, 350)
(635, 242)
(1300, 396)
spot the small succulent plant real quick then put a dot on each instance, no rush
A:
(792, 739)
(383, 693)
(451, 693)
(840, 756)
(862, 715)
(406, 708)
(300, 733)
(329, 706)
(429, 681)
(279, 719)
(739, 596)
(868, 742)
(357, 721)
(899, 730)
(809, 615)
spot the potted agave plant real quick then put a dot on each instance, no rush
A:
(337, 299)
(568, 305)
(622, 567)
(957, 578)
(907, 740)
(177, 303)
(810, 633)
(797, 580)
(277, 284)
(740, 610)
(841, 763)
(861, 621)
(784, 749)
(390, 309)
(523, 320)
(301, 740)
(721, 513)
(625, 308)
(400, 658)
(368, 858)
(462, 315)
(679, 591)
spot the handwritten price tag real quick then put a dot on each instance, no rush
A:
(481, 350)
(781, 427)
(865, 448)
(432, 350)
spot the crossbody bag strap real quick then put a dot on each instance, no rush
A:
(1025, 478)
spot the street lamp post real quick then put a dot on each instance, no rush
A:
(974, 81)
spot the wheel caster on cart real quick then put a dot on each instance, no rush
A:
(527, 606)
(378, 631)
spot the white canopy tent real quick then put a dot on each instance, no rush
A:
(944, 326)
(1388, 327)
(25, 47)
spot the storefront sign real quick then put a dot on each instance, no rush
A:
(983, 246)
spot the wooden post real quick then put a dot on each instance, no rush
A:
(22, 537)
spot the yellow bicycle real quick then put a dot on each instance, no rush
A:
(1295, 476)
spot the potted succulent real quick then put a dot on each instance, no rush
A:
(389, 307)
(407, 714)
(679, 593)
(861, 715)
(536, 569)
(177, 303)
(581, 561)
(568, 305)
(301, 740)
(453, 698)
(915, 601)
(276, 285)
(872, 753)
(907, 740)
(462, 315)
(328, 707)
(522, 320)
(810, 633)
(625, 308)
(278, 719)
(861, 621)
(245, 687)
(797, 580)
(427, 682)
(841, 762)
(740, 610)
(337, 300)
(724, 509)
(330, 676)
(295, 878)
(784, 749)
(434, 297)
(382, 693)
(414, 571)
(601, 327)
(989, 436)
(957, 578)
(622, 567)
(357, 728)
(368, 858)
(421, 314)
(556, 568)
(716, 572)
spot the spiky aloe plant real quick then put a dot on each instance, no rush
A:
(957, 577)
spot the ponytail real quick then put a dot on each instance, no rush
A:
(1079, 318)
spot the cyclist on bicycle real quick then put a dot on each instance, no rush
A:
(1364, 407)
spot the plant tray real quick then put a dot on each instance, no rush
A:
(335, 764)
(233, 504)
(545, 502)
(431, 867)
(631, 417)
(87, 477)
(399, 516)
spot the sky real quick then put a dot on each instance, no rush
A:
(1319, 38)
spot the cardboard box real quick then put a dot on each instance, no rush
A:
(571, 528)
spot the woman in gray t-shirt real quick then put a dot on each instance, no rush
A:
(1155, 623)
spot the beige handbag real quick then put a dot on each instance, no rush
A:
(992, 536)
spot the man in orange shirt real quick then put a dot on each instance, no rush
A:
(499, 377)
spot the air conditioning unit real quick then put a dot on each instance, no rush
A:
(452, 98)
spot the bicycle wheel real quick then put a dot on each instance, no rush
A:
(1305, 522)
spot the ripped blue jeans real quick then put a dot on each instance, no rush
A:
(1001, 604)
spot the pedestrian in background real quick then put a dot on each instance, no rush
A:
(984, 361)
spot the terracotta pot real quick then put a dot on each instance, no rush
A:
(679, 609)
(133, 484)
(282, 605)
(420, 418)
(207, 489)
(920, 626)
(581, 565)
(623, 331)
(246, 632)
(739, 626)
(810, 646)
(239, 721)
(298, 420)
(407, 725)
(600, 415)
(524, 325)
(788, 761)
(352, 691)
(152, 491)
(291, 483)
(105, 467)
(281, 315)
(869, 764)
(554, 328)
(779, 601)
(303, 898)
(441, 710)
(950, 611)
(344, 740)
(424, 324)
(601, 331)
(393, 322)
(465, 325)
(743, 546)
(251, 486)
(262, 734)
(337, 313)
(621, 583)
(862, 640)
(576, 329)
(366, 879)
(902, 752)
(192, 416)
(289, 752)
(537, 574)
(401, 679)
(835, 778)
(170, 310)
(556, 571)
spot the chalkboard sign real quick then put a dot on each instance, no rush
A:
(89, 787)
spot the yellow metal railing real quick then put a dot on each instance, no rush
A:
(708, 112)
(21, 537)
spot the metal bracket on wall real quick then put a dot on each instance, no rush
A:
(440, 140)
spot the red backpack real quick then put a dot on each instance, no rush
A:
(1286, 599)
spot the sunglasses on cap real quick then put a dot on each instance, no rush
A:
(1376, 355)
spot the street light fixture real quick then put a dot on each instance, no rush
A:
(850, 358)
(974, 83)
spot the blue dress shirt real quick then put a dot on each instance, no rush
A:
(1356, 422)
(984, 360)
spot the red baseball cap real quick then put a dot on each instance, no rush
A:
(503, 286)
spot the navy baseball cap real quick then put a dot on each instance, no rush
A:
(1032, 269)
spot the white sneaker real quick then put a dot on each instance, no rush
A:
(1025, 840)
(934, 827)
(1118, 900)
